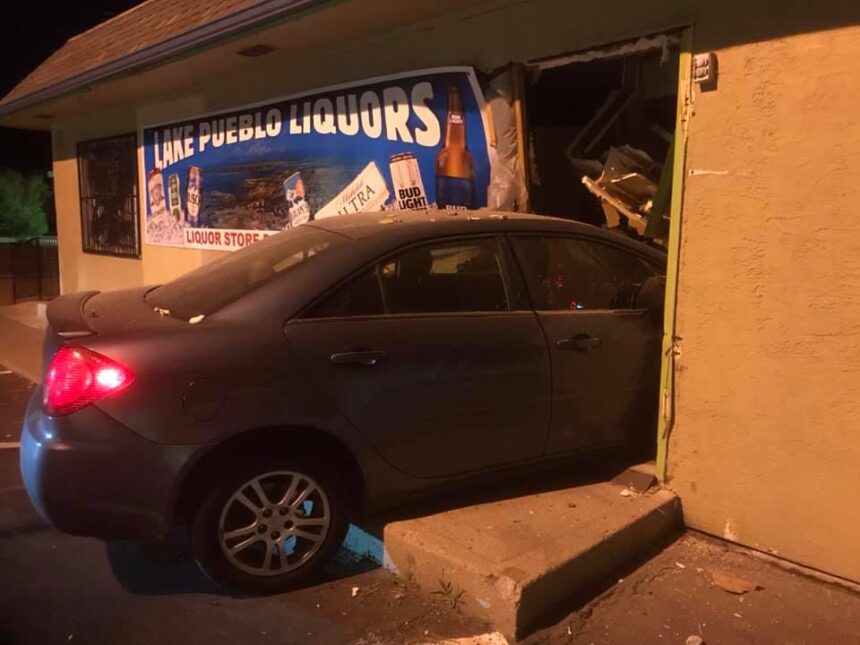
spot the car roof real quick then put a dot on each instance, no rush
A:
(368, 237)
(406, 225)
(360, 225)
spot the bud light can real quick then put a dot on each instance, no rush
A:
(408, 186)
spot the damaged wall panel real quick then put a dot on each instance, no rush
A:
(507, 190)
(613, 110)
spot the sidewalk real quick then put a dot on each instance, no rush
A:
(22, 328)
(696, 588)
(703, 587)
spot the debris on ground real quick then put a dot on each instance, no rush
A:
(355, 591)
(732, 583)
(493, 638)
(695, 639)
(787, 606)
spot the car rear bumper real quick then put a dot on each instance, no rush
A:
(88, 474)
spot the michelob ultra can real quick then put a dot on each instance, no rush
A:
(366, 193)
(406, 178)
(173, 197)
(192, 195)
(155, 185)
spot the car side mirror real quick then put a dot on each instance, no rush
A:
(652, 294)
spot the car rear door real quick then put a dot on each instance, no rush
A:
(605, 351)
(430, 355)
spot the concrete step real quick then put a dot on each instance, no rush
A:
(514, 561)
(21, 347)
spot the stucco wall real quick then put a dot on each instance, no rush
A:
(766, 450)
(78, 270)
(763, 450)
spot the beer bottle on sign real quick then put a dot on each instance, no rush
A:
(455, 168)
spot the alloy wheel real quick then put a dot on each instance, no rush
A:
(274, 523)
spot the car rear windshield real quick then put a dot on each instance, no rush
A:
(213, 286)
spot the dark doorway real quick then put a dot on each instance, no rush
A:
(593, 122)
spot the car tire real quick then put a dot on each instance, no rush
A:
(225, 512)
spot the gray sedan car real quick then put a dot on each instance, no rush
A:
(266, 399)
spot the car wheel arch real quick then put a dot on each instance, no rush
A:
(193, 483)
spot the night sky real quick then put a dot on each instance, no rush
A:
(30, 31)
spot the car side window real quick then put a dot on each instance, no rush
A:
(567, 274)
(360, 296)
(628, 272)
(445, 277)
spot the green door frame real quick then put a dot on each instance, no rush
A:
(666, 420)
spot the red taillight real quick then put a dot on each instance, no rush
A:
(78, 376)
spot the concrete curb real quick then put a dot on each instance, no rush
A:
(21, 348)
(513, 577)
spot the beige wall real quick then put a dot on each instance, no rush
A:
(766, 449)
(763, 450)
(82, 271)
(78, 270)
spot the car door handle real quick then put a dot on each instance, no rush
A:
(366, 357)
(580, 343)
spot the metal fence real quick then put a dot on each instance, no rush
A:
(29, 270)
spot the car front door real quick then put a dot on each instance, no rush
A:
(430, 357)
(605, 351)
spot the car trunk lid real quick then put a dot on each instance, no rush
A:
(77, 316)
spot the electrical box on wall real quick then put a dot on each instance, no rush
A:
(705, 68)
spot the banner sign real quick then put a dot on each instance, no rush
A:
(402, 142)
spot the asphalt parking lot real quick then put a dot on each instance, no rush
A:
(56, 588)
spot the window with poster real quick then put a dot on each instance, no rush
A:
(107, 170)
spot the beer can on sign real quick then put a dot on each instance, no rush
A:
(367, 192)
(408, 186)
(173, 197)
(297, 204)
(155, 186)
(192, 195)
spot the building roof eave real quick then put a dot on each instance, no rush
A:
(207, 35)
